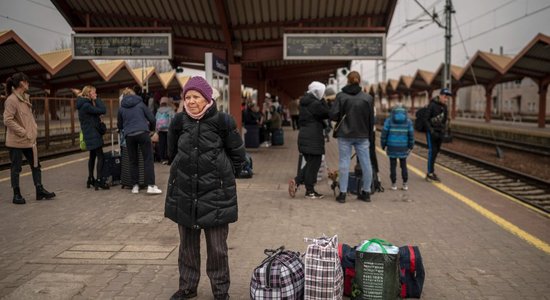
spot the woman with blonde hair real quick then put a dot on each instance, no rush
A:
(90, 108)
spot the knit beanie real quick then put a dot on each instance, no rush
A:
(200, 85)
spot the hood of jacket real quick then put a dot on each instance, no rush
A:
(352, 89)
(399, 115)
(308, 99)
(80, 101)
(130, 101)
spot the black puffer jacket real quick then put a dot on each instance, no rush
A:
(88, 115)
(353, 113)
(312, 113)
(437, 116)
(201, 187)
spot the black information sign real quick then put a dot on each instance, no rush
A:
(122, 46)
(334, 46)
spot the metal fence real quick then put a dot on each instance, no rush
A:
(57, 119)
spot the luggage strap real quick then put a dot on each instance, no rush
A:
(412, 260)
(272, 254)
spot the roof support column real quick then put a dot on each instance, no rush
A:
(453, 104)
(413, 95)
(543, 90)
(235, 80)
(488, 102)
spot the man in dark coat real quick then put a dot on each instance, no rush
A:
(354, 116)
(205, 151)
(311, 141)
(435, 125)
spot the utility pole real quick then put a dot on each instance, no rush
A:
(447, 80)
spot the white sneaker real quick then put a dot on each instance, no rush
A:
(405, 186)
(393, 187)
(153, 189)
(135, 189)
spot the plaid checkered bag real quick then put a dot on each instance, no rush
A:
(324, 278)
(279, 276)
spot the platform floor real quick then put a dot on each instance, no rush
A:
(86, 244)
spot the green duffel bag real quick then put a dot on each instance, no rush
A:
(376, 274)
(82, 142)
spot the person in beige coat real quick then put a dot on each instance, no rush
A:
(21, 133)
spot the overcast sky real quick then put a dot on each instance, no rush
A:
(484, 24)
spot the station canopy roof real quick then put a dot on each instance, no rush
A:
(485, 68)
(249, 32)
(534, 60)
(456, 71)
(17, 56)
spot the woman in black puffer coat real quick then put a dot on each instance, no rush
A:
(205, 151)
(90, 108)
(311, 140)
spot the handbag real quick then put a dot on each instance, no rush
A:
(102, 129)
(335, 131)
(82, 142)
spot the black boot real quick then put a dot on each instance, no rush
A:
(41, 193)
(17, 198)
(90, 182)
(101, 184)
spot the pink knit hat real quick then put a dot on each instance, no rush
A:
(200, 85)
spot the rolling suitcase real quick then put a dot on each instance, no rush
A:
(112, 164)
(278, 137)
(126, 178)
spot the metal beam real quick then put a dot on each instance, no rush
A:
(121, 29)
(262, 54)
(128, 17)
(374, 29)
(228, 39)
(195, 53)
(302, 22)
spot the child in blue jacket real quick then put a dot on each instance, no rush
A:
(398, 140)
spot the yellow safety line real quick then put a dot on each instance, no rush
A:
(538, 243)
(48, 168)
(543, 213)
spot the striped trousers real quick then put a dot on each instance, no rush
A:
(217, 263)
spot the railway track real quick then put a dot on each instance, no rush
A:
(534, 149)
(526, 188)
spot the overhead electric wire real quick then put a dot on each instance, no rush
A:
(476, 18)
(43, 5)
(475, 36)
(36, 26)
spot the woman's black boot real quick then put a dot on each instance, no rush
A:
(41, 193)
(90, 182)
(17, 198)
(101, 184)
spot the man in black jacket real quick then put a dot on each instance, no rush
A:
(353, 111)
(435, 125)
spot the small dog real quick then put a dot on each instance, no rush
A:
(333, 176)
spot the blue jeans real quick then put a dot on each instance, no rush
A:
(344, 152)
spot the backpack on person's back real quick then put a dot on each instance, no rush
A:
(421, 119)
(163, 120)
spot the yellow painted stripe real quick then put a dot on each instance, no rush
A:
(538, 243)
(48, 168)
(538, 211)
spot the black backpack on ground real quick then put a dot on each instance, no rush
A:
(421, 117)
(411, 271)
